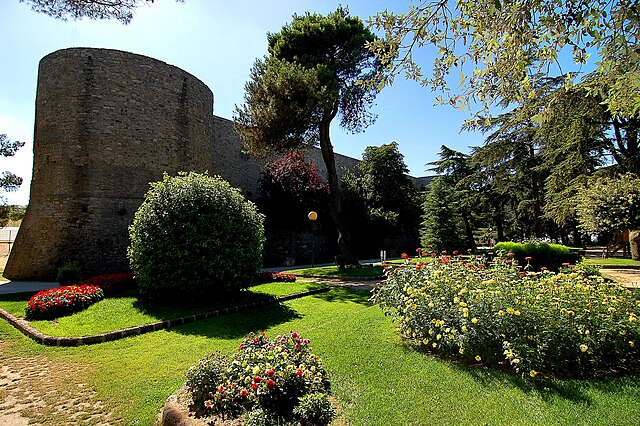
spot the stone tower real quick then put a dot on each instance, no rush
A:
(107, 123)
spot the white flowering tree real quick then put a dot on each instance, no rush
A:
(612, 204)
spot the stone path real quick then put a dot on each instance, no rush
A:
(629, 278)
(36, 390)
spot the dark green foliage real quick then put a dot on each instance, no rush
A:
(381, 202)
(195, 235)
(440, 228)
(543, 255)
(313, 74)
(314, 410)
(69, 273)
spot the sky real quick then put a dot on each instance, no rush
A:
(218, 42)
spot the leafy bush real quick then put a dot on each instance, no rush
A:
(270, 277)
(69, 273)
(113, 284)
(266, 375)
(61, 301)
(193, 236)
(538, 255)
(314, 409)
(533, 322)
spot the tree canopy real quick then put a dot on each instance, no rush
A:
(496, 51)
(121, 10)
(311, 75)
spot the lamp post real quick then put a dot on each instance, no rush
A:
(312, 217)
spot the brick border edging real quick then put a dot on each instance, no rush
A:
(43, 339)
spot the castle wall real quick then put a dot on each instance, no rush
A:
(107, 123)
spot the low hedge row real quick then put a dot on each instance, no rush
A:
(539, 255)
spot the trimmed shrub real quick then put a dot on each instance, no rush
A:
(266, 378)
(194, 236)
(566, 324)
(279, 277)
(69, 273)
(113, 284)
(61, 301)
(542, 255)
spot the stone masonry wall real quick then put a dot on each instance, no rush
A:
(107, 123)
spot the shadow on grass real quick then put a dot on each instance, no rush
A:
(575, 390)
(345, 294)
(162, 310)
(237, 325)
(17, 297)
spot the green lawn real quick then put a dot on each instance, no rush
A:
(126, 311)
(376, 377)
(614, 261)
(364, 271)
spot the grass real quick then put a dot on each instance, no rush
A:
(614, 261)
(364, 271)
(125, 311)
(375, 376)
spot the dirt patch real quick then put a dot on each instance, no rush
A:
(36, 390)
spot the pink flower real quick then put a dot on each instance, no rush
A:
(257, 379)
(271, 372)
(405, 256)
(208, 404)
(271, 384)
(528, 258)
(254, 386)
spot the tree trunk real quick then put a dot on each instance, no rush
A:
(346, 256)
(471, 242)
(634, 242)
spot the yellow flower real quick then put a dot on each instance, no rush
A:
(533, 373)
(632, 343)
(584, 348)
(546, 389)
(464, 328)
(478, 358)
(501, 312)
(474, 320)
(435, 345)
(425, 341)
(461, 351)
(515, 361)
(431, 305)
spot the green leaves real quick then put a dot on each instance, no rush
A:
(499, 37)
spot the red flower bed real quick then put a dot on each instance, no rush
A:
(113, 283)
(61, 301)
(269, 277)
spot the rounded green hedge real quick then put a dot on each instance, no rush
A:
(193, 236)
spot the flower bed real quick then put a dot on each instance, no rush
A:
(61, 301)
(273, 276)
(266, 379)
(544, 323)
(113, 284)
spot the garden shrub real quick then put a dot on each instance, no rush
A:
(542, 255)
(279, 277)
(265, 379)
(113, 284)
(193, 236)
(69, 273)
(566, 324)
(61, 301)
